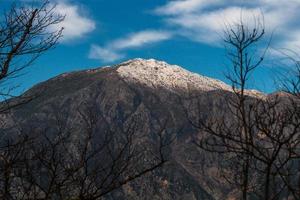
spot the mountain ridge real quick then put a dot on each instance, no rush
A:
(155, 73)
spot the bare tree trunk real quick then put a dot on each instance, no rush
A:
(267, 182)
(245, 179)
(6, 183)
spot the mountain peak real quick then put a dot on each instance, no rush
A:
(154, 73)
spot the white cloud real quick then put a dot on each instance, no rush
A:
(140, 39)
(292, 41)
(113, 50)
(184, 6)
(203, 20)
(207, 27)
(107, 55)
(75, 25)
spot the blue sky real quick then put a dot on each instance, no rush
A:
(182, 32)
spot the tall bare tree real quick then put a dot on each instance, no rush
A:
(290, 85)
(258, 133)
(233, 137)
(25, 34)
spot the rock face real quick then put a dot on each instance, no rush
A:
(154, 90)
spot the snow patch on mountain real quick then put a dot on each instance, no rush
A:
(153, 73)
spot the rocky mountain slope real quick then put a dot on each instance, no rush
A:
(154, 90)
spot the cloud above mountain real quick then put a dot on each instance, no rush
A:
(114, 50)
(76, 23)
(203, 20)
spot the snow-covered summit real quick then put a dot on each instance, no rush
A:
(157, 74)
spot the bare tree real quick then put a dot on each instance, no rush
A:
(25, 34)
(233, 137)
(290, 86)
(87, 159)
(259, 133)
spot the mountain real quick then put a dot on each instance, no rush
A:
(154, 90)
